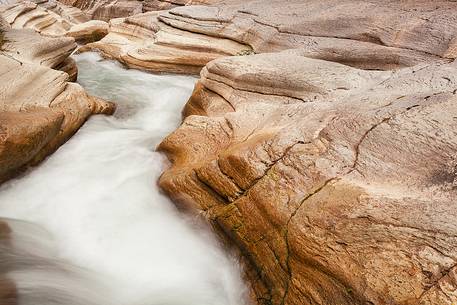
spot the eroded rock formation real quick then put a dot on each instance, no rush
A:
(326, 176)
(109, 9)
(41, 17)
(337, 182)
(53, 19)
(39, 108)
(375, 35)
(144, 42)
(329, 157)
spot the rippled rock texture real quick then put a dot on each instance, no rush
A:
(39, 108)
(47, 18)
(53, 19)
(321, 137)
(109, 9)
(330, 160)
(374, 35)
(145, 42)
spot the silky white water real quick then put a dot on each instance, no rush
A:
(103, 216)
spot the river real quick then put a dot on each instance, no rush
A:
(90, 225)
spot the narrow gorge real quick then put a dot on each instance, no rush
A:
(309, 149)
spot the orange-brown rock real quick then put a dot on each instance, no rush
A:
(53, 19)
(39, 108)
(90, 31)
(26, 14)
(330, 160)
(328, 178)
(337, 182)
(389, 36)
(109, 9)
(144, 42)
(364, 34)
(8, 292)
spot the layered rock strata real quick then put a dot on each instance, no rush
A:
(330, 160)
(144, 42)
(39, 108)
(337, 182)
(50, 18)
(373, 35)
(109, 9)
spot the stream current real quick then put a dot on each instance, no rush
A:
(89, 224)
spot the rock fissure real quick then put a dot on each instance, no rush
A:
(436, 283)
(286, 232)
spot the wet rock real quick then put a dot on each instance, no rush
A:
(325, 149)
(69, 66)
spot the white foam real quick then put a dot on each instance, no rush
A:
(97, 196)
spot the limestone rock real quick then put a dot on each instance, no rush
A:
(8, 291)
(368, 35)
(72, 14)
(39, 112)
(69, 66)
(116, 9)
(29, 47)
(423, 25)
(24, 134)
(337, 182)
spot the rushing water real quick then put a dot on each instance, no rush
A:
(94, 228)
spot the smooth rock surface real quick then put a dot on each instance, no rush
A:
(364, 34)
(39, 108)
(53, 19)
(8, 291)
(26, 14)
(375, 35)
(329, 158)
(337, 182)
(90, 31)
(109, 9)
(145, 43)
